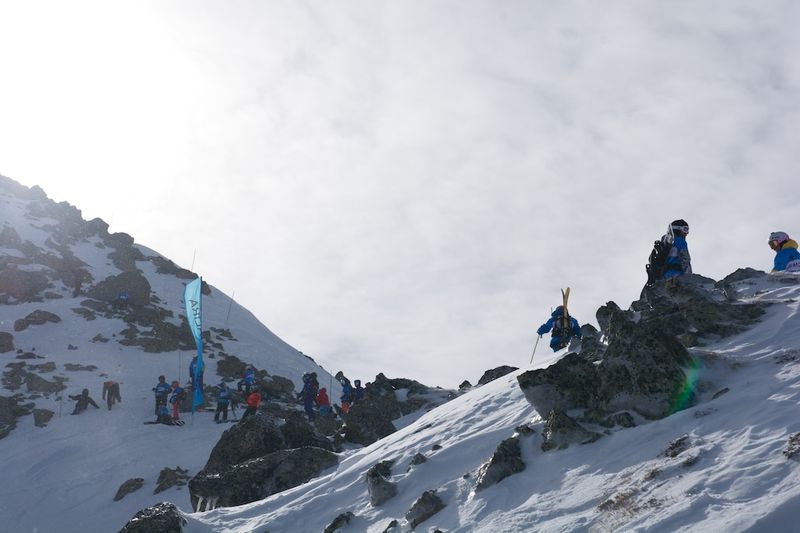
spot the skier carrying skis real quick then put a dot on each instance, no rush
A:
(82, 401)
(162, 390)
(787, 258)
(111, 393)
(347, 391)
(564, 328)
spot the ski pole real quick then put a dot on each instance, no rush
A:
(534, 348)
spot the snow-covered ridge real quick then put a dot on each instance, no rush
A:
(716, 466)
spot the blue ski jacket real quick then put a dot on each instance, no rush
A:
(785, 257)
(162, 390)
(679, 261)
(558, 313)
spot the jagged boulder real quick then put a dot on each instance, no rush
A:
(494, 373)
(37, 383)
(339, 522)
(6, 342)
(506, 460)
(161, 518)
(41, 417)
(258, 478)
(425, 507)
(379, 487)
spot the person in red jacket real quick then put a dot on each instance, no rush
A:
(253, 401)
(323, 402)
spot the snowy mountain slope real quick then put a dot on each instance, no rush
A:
(63, 477)
(717, 466)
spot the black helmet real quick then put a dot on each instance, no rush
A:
(85, 392)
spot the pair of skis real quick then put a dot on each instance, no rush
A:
(565, 300)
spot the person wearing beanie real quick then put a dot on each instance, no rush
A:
(787, 258)
(679, 262)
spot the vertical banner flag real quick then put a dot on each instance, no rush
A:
(193, 298)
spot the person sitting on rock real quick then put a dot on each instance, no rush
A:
(111, 393)
(564, 328)
(82, 401)
(787, 258)
(324, 402)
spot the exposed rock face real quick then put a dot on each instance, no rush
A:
(41, 417)
(642, 367)
(560, 431)
(506, 460)
(494, 373)
(258, 457)
(22, 285)
(37, 318)
(6, 342)
(339, 522)
(379, 487)
(36, 383)
(425, 507)
(132, 485)
(132, 282)
(258, 478)
(169, 478)
(10, 410)
(161, 518)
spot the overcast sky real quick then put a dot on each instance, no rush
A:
(403, 187)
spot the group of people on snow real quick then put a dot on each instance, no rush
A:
(316, 399)
(669, 259)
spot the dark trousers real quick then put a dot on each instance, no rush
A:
(221, 408)
(160, 402)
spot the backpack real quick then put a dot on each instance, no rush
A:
(657, 261)
(562, 327)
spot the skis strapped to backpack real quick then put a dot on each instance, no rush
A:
(563, 327)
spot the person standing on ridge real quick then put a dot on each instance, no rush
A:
(564, 328)
(787, 258)
(223, 400)
(111, 393)
(679, 262)
(358, 391)
(309, 396)
(324, 402)
(162, 390)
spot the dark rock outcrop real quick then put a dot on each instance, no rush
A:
(22, 285)
(425, 507)
(494, 373)
(36, 318)
(37, 383)
(506, 460)
(10, 410)
(379, 487)
(169, 477)
(560, 431)
(339, 522)
(260, 456)
(161, 518)
(132, 282)
(41, 417)
(642, 368)
(6, 342)
(258, 478)
(131, 485)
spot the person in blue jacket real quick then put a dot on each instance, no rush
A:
(679, 262)
(358, 391)
(563, 330)
(162, 390)
(223, 400)
(309, 395)
(787, 258)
